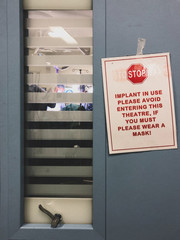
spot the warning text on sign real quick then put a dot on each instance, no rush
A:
(142, 118)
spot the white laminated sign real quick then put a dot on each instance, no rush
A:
(139, 103)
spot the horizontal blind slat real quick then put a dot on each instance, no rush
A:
(58, 190)
(36, 97)
(68, 60)
(58, 152)
(55, 22)
(58, 171)
(58, 134)
(59, 116)
(59, 79)
(57, 5)
(36, 42)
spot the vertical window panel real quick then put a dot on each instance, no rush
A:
(58, 109)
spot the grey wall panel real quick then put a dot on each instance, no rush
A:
(143, 188)
(15, 116)
(12, 137)
(99, 168)
(3, 122)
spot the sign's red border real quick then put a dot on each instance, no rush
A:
(109, 118)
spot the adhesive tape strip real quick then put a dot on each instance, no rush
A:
(140, 46)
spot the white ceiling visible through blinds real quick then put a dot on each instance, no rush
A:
(60, 32)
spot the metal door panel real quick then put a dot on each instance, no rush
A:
(143, 188)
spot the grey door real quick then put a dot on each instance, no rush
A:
(12, 135)
(140, 197)
(143, 188)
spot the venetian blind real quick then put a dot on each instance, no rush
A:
(58, 103)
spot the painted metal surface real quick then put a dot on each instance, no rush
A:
(142, 194)
(12, 226)
(142, 188)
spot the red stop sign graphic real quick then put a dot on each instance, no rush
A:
(137, 73)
